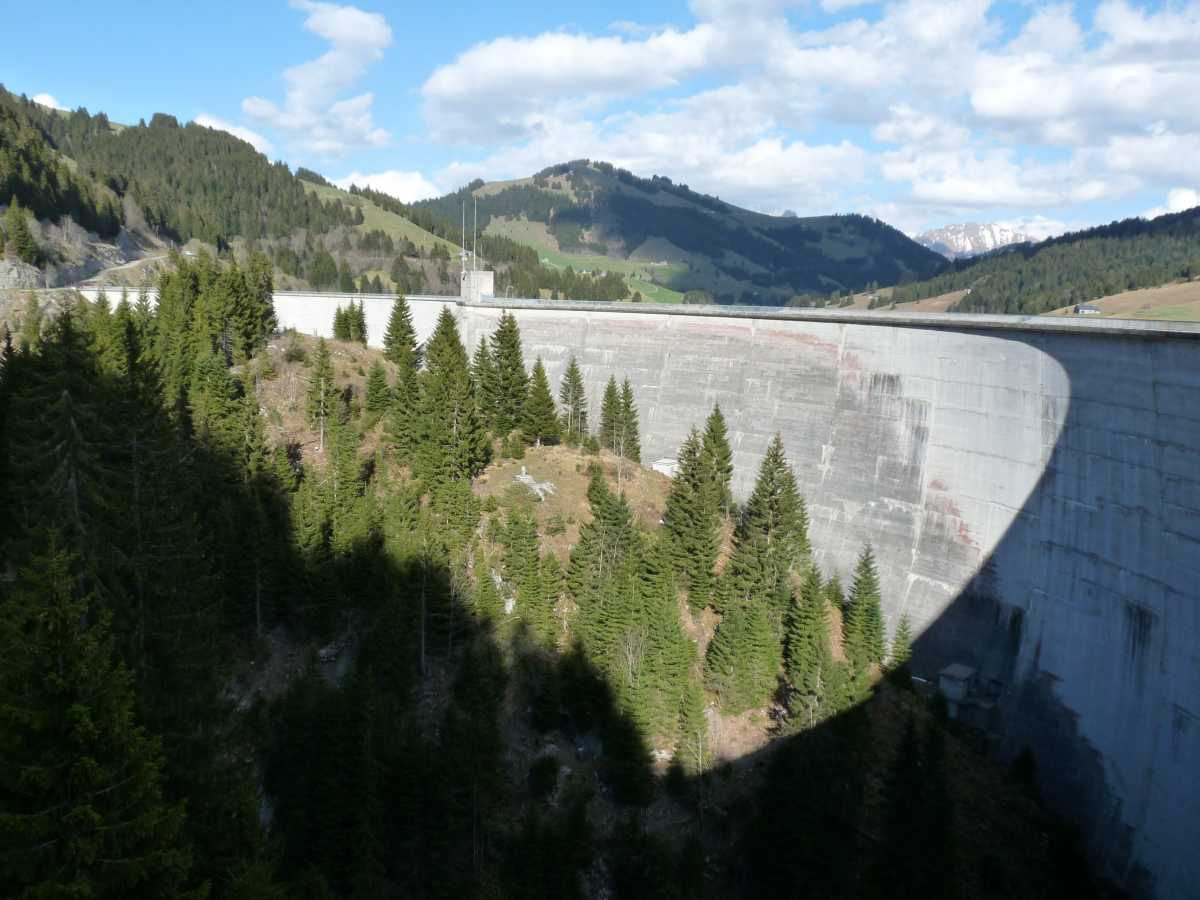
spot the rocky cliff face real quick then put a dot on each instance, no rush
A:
(970, 239)
(15, 274)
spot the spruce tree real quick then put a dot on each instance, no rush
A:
(356, 322)
(610, 415)
(400, 338)
(668, 654)
(573, 397)
(807, 655)
(452, 443)
(693, 749)
(690, 521)
(743, 658)
(553, 583)
(865, 634)
(483, 377)
(341, 324)
(321, 403)
(379, 393)
(254, 311)
(402, 414)
(539, 417)
(718, 458)
(400, 348)
(522, 566)
(901, 654)
(349, 516)
(20, 238)
(512, 384)
(82, 811)
(488, 604)
(628, 432)
(772, 534)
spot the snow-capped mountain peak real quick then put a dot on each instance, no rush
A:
(969, 239)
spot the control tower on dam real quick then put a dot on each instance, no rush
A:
(1030, 486)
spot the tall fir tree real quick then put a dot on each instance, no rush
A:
(772, 535)
(539, 419)
(553, 584)
(718, 458)
(900, 658)
(483, 377)
(629, 436)
(488, 604)
(512, 383)
(379, 392)
(452, 443)
(864, 619)
(808, 659)
(690, 521)
(610, 415)
(742, 665)
(341, 324)
(321, 405)
(400, 338)
(573, 397)
(693, 749)
(20, 239)
(400, 348)
(356, 322)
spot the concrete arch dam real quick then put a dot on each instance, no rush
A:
(1031, 488)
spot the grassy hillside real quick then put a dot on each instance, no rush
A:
(592, 216)
(1075, 268)
(376, 218)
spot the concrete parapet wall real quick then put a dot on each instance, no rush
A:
(312, 312)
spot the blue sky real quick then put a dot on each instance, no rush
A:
(1042, 116)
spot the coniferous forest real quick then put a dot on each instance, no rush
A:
(468, 712)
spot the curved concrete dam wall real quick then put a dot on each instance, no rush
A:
(1031, 489)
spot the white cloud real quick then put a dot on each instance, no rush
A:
(1158, 153)
(48, 100)
(906, 125)
(502, 89)
(1040, 227)
(834, 6)
(253, 138)
(312, 115)
(976, 117)
(404, 186)
(1178, 199)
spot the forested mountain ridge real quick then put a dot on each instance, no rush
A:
(189, 181)
(181, 183)
(670, 235)
(1072, 268)
(41, 181)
